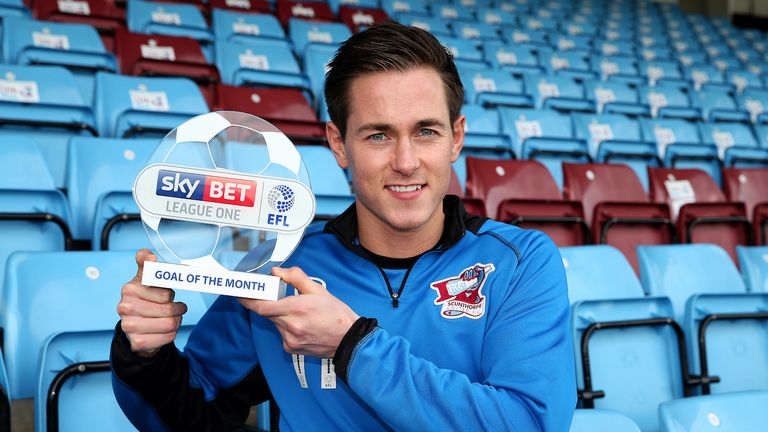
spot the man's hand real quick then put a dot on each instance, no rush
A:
(312, 323)
(149, 315)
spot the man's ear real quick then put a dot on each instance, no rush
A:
(336, 142)
(459, 127)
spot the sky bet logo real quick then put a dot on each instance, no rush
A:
(206, 188)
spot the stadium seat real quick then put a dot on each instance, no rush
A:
(615, 48)
(718, 105)
(336, 5)
(467, 54)
(104, 16)
(581, 44)
(134, 107)
(630, 354)
(661, 72)
(699, 208)
(572, 64)
(160, 55)
(451, 12)
(243, 28)
(724, 324)
(738, 411)
(397, 8)
(477, 31)
(495, 16)
(613, 97)
(13, 8)
(750, 186)
(680, 145)
(517, 59)
(523, 193)
(742, 80)
(736, 144)
(259, 64)
(615, 68)
(491, 88)
(34, 214)
(558, 92)
(81, 289)
(518, 35)
(315, 62)
(359, 18)
(589, 420)
(438, 27)
(255, 6)
(705, 77)
(43, 103)
(616, 207)
(753, 261)
(543, 135)
(173, 19)
(308, 11)
(287, 109)
(614, 138)
(755, 102)
(668, 102)
(305, 34)
(100, 176)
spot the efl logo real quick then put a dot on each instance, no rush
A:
(197, 187)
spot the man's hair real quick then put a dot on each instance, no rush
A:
(388, 47)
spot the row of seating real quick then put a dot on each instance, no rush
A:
(629, 357)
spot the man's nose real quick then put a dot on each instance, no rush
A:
(405, 160)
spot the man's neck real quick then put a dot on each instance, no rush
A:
(382, 239)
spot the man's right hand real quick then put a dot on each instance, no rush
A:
(150, 317)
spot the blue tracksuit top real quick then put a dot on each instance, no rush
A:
(479, 340)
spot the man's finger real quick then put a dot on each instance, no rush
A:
(269, 309)
(143, 308)
(296, 277)
(142, 256)
(139, 325)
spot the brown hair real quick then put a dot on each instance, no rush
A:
(384, 48)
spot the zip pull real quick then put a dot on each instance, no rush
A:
(395, 302)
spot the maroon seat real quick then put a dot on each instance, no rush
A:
(617, 208)
(454, 188)
(285, 108)
(523, 193)
(358, 19)
(103, 15)
(700, 209)
(259, 6)
(308, 11)
(750, 186)
(160, 55)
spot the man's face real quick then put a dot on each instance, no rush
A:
(399, 145)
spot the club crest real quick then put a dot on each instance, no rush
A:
(461, 295)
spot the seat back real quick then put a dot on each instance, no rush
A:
(465, 52)
(747, 185)
(493, 87)
(753, 261)
(308, 11)
(233, 26)
(588, 420)
(358, 18)
(438, 27)
(738, 411)
(396, 8)
(305, 33)
(78, 291)
(256, 6)
(174, 19)
(262, 62)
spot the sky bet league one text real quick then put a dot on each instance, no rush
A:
(225, 198)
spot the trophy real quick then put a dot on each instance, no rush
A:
(221, 181)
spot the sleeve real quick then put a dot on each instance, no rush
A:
(209, 387)
(527, 362)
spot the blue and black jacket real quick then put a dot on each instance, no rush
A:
(470, 335)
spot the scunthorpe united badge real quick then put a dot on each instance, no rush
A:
(221, 182)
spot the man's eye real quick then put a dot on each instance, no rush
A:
(426, 132)
(377, 137)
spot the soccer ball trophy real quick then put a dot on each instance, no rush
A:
(216, 178)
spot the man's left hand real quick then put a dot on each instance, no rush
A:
(312, 323)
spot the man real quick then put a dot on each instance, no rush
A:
(426, 318)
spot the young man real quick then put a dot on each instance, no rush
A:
(427, 318)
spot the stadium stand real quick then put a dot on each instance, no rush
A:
(173, 19)
(106, 17)
(242, 28)
(738, 411)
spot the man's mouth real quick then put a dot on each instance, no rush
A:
(408, 188)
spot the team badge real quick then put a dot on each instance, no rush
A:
(461, 295)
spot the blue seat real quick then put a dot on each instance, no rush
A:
(743, 79)
(613, 97)
(477, 31)
(737, 411)
(396, 8)
(243, 28)
(519, 35)
(568, 63)
(43, 103)
(78, 291)
(754, 101)
(538, 23)
(368, 4)
(662, 72)
(680, 145)
(589, 420)
(718, 105)
(579, 43)
(261, 63)
(692, 58)
(614, 138)
(466, 53)
(483, 133)
(726, 63)
(438, 27)
(633, 348)
(174, 19)
(100, 176)
(655, 53)
(581, 26)
(452, 12)
(134, 107)
(517, 59)
(495, 16)
(304, 34)
(753, 261)
(613, 68)
(316, 59)
(736, 144)
(557, 92)
(668, 102)
(726, 336)
(36, 214)
(14, 8)
(543, 135)
(493, 88)
(615, 48)
(77, 46)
